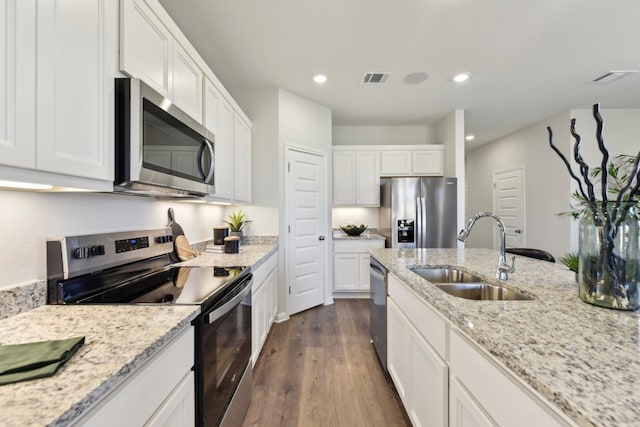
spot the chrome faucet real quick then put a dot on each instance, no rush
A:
(503, 269)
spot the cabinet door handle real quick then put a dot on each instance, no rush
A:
(321, 238)
(517, 231)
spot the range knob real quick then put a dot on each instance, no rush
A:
(97, 250)
(81, 253)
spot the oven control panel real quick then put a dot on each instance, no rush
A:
(89, 253)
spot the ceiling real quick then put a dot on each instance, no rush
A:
(528, 59)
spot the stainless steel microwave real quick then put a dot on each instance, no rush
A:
(160, 150)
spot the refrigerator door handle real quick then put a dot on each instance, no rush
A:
(423, 226)
(420, 223)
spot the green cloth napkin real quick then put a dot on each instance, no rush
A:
(22, 362)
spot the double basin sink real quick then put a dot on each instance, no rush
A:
(463, 284)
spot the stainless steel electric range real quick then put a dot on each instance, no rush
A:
(135, 267)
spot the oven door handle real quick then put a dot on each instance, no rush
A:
(228, 306)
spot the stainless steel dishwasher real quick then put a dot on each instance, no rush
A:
(378, 310)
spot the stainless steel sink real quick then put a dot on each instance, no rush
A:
(482, 291)
(445, 275)
(463, 284)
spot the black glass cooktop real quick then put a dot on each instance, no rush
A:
(168, 285)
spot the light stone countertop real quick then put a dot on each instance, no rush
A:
(583, 359)
(253, 255)
(118, 340)
(340, 235)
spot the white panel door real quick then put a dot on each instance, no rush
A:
(145, 46)
(77, 51)
(306, 201)
(186, 83)
(508, 203)
(17, 78)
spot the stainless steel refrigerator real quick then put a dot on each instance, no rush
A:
(418, 212)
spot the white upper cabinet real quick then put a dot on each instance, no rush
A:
(344, 178)
(145, 46)
(50, 54)
(187, 83)
(428, 162)
(242, 160)
(368, 178)
(396, 162)
(423, 160)
(356, 178)
(76, 64)
(17, 88)
(218, 118)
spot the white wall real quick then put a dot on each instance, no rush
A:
(450, 133)
(547, 184)
(383, 135)
(29, 219)
(261, 105)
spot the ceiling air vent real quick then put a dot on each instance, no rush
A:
(612, 76)
(375, 78)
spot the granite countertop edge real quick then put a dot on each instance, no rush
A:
(546, 343)
(17, 329)
(364, 236)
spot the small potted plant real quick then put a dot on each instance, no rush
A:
(237, 222)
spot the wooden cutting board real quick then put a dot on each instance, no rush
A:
(184, 249)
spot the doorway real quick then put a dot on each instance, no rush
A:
(306, 217)
(509, 204)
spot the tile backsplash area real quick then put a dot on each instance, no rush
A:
(344, 216)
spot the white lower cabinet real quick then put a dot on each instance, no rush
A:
(420, 375)
(264, 303)
(464, 411)
(351, 264)
(160, 393)
(443, 379)
(502, 397)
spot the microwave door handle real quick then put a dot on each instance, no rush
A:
(212, 166)
(200, 157)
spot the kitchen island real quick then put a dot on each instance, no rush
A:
(583, 360)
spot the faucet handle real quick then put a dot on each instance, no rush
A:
(504, 269)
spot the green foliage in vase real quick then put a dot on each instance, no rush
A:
(237, 221)
(619, 170)
(571, 261)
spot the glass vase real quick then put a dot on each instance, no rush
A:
(608, 274)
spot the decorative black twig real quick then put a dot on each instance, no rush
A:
(566, 163)
(605, 154)
(584, 168)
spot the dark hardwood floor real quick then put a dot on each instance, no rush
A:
(319, 369)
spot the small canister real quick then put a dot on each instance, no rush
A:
(219, 233)
(232, 245)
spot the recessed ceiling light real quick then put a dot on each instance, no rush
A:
(469, 137)
(319, 78)
(462, 77)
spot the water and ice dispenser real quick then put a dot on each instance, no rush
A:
(405, 230)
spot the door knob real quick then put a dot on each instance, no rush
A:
(321, 238)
